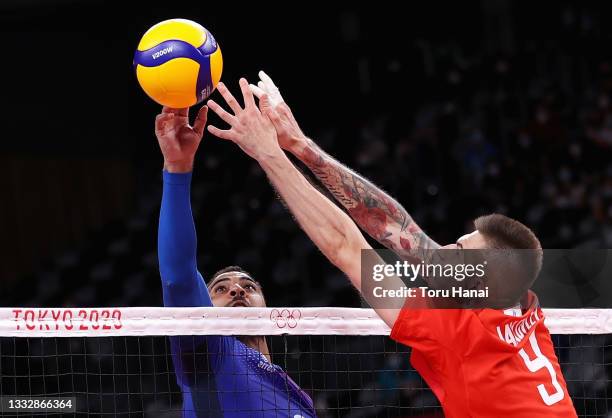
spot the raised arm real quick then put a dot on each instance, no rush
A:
(377, 213)
(334, 233)
(182, 284)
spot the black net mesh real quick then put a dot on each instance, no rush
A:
(346, 376)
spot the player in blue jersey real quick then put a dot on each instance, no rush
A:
(219, 376)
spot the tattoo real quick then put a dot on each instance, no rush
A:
(311, 158)
(371, 208)
(372, 219)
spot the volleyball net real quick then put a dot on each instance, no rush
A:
(118, 362)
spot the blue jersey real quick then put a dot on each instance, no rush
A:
(219, 376)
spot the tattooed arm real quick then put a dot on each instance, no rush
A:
(377, 213)
(372, 209)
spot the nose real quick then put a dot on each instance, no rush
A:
(237, 290)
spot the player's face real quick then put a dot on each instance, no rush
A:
(236, 290)
(454, 254)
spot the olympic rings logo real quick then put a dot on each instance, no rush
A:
(285, 318)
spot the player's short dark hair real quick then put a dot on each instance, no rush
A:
(230, 269)
(503, 233)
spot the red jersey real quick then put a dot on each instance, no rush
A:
(485, 363)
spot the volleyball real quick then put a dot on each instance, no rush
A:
(178, 63)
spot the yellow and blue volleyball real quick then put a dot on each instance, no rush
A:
(178, 63)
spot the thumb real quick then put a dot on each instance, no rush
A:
(200, 122)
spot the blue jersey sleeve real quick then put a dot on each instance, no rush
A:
(182, 284)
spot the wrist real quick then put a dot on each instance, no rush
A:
(298, 145)
(179, 179)
(273, 154)
(178, 167)
(271, 159)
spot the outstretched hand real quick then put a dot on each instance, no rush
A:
(250, 128)
(177, 139)
(289, 133)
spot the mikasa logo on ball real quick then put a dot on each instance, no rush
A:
(205, 93)
(162, 52)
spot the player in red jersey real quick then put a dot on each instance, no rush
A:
(487, 362)
(479, 362)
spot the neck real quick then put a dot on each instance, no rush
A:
(256, 342)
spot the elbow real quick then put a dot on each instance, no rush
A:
(175, 279)
(347, 258)
(346, 253)
(170, 283)
(335, 257)
(336, 247)
(176, 264)
(347, 244)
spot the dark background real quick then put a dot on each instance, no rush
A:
(456, 109)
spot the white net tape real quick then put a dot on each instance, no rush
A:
(97, 322)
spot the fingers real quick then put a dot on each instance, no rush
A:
(269, 111)
(162, 119)
(221, 133)
(267, 81)
(264, 103)
(200, 122)
(222, 113)
(249, 101)
(178, 112)
(257, 91)
(229, 98)
(267, 85)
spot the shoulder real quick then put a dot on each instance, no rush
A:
(418, 324)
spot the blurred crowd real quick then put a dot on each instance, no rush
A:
(450, 129)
